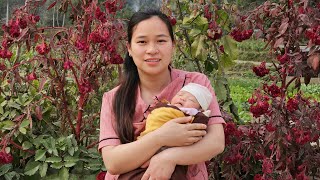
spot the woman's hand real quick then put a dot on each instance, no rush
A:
(179, 132)
(160, 168)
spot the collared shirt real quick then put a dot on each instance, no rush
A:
(109, 137)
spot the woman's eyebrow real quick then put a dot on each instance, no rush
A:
(143, 36)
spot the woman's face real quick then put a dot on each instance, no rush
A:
(151, 46)
(186, 100)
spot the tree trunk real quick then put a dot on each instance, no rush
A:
(7, 19)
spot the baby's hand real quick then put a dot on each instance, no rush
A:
(146, 164)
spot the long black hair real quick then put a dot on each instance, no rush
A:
(124, 102)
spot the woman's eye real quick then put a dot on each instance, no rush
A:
(162, 40)
(141, 42)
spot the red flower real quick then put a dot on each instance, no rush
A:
(6, 43)
(5, 158)
(302, 176)
(5, 54)
(14, 29)
(214, 31)
(260, 108)
(301, 10)
(292, 104)
(116, 59)
(95, 37)
(267, 166)
(67, 65)
(100, 15)
(32, 76)
(34, 18)
(270, 127)
(283, 58)
(101, 175)
(261, 70)
(43, 48)
(173, 21)
(22, 23)
(207, 13)
(81, 45)
(258, 177)
(274, 90)
(221, 48)
(258, 156)
(241, 35)
(85, 87)
(111, 7)
(2, 66)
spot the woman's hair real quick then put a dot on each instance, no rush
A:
(124, 102)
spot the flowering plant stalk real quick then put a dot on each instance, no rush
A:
(48, 77)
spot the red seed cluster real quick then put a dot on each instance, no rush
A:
(313, 34)
(43, 48)
(261, 70)
(214, 31)
(240, 36)
(32, 76)
(5, 158)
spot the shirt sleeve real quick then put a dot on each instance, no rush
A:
(108, 135)
(215, 116)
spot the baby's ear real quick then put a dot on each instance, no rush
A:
(207, 113)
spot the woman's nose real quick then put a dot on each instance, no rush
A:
(152, 49)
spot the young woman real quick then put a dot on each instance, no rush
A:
(148, 76)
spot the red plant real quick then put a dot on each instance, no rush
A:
(282, 142)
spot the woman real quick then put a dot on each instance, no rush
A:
(148, 76)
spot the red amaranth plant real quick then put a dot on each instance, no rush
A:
(48, 77)
(282, 142)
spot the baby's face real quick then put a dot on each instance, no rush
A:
(185, 99)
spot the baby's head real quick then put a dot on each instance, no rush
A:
(193, 96)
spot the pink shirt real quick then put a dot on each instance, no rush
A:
(179, 78)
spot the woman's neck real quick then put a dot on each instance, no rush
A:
(153, 85)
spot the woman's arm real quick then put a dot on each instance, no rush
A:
(212, 144)
(126, 157)
(162, 165)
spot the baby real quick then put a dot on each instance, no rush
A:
(192, 100)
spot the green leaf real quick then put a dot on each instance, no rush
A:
(25, 123)
(43, 169)
(26, 145)
(220, 89)
(31, 167)
(7, 125)
(200, 21)
(39, 154)
(57, 165)
(64, 174)
(197, 47)
(4, 169)
(194, 32)
(71, 151)
(23, 130)
(13, 105)
(1, 110)
(11, 175)
(54, 159)
(69, 164)
(71, 159)
(230, 47)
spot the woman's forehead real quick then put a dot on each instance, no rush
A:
(152, 26)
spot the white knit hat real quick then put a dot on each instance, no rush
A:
(202, 94)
